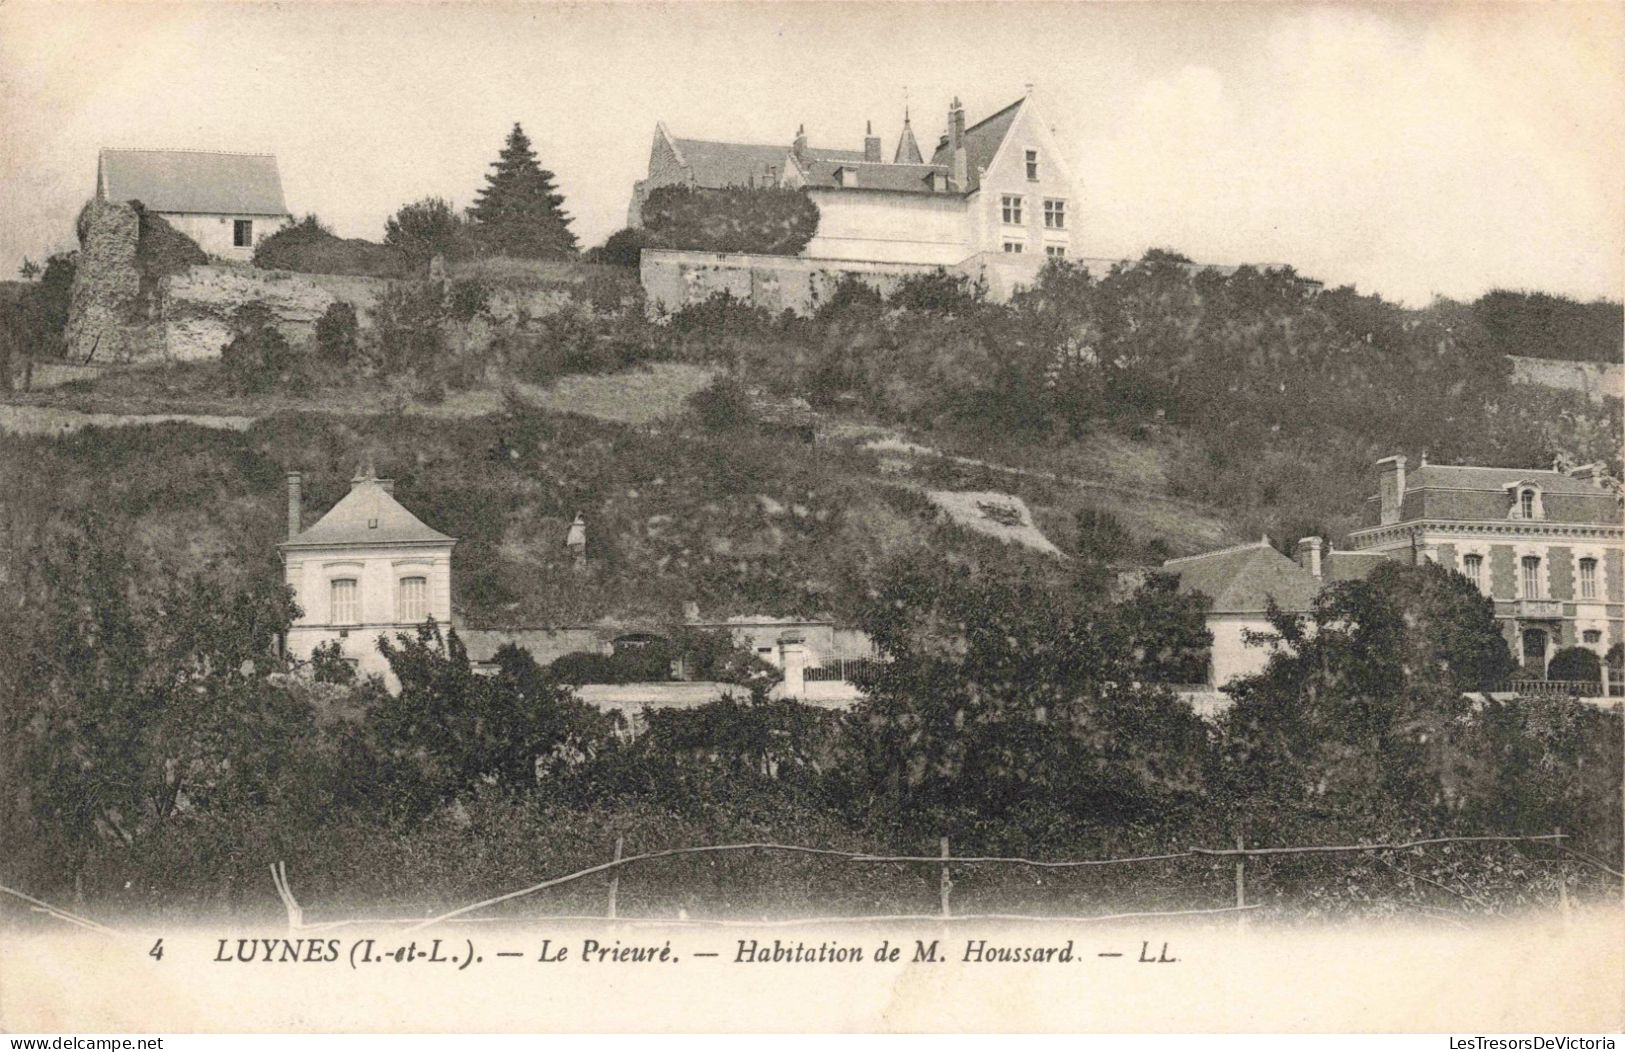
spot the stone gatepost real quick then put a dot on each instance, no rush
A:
(793, 661)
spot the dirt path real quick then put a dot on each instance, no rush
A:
(45, 420)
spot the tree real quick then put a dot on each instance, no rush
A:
(1366, 701)
(124, 711)
(258, 357)
(517, 213)
(427, 228)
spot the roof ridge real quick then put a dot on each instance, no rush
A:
(730, 142)
(995, 114)
(1263, 543)
(185, 149)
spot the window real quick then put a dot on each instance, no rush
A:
(1588, 578)
(1015, 248)
(1472, 568)
(1032, 166)
(242, 233)
(1591, 635)
(412, 605)
(1054, 214)
(343, 606)
(1012, 209)
(1526, 504)
(1531, 577)
(1055, 250)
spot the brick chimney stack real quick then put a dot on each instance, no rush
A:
(871, 143)
(956, 139)
(1308, 554)
(1391, 488)
(296, 507)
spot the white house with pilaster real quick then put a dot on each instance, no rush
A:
(368, 568)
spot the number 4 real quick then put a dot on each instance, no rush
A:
(157, 951)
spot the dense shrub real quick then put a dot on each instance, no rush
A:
(336, 333)
(723, 405)
(766, 220)
(259, 357)
(1575, 663)
(624, 248)
(308, 247)
(161, 250)
(427, 228)
(34, 317)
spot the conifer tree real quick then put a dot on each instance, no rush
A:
(518, 212)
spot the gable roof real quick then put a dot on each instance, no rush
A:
(369, 515)
(982, 142)
(714, 165)
(192, 181)
(1244, 579)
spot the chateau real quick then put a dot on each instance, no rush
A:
(997, 188)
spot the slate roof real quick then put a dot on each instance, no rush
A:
(192, 181)
(715, 165)
(898, 178)
(908, 150)
(1245, 578)
(1351, 566)
(368, 514)
(982, 141)
(1453, 492)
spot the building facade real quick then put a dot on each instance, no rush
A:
(999, 190)
(368, 568)
(226, 202)
(1546, 546)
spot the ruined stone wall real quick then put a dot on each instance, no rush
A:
(103, 321)
(196, 305)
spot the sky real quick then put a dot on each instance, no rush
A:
(1410, 150)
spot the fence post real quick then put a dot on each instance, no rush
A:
(1241, 882)
(615, 877)
(1562, 878)
(947, 881)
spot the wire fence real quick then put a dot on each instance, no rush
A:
(944, 862)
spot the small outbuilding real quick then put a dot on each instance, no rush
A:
(226, 202)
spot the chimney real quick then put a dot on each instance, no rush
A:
(1391, 488)
(871, 143)
(1308, 554)
(956, 139)
(296, 505)
(800, 146)
(1592, 473)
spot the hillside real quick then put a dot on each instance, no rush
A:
(1190, 410)
(741, 520)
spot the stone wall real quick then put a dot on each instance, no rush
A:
(1595, 380)
(674, 279)
(196, 305)
(103, 322)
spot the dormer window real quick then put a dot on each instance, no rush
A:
(846, 176)
(1527, 501)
